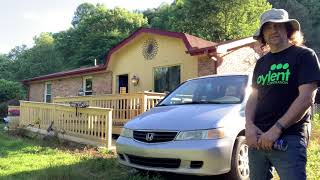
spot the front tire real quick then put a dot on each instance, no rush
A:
(240, 160)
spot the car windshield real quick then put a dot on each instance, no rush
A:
(211, 90)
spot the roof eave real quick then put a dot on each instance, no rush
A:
(201, 51)
(56, 75)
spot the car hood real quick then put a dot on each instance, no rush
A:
(183, 117)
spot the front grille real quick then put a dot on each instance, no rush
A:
(154, 162)
(156, 136)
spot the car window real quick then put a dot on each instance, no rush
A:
(214, 90)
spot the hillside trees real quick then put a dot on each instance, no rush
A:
(214, 20)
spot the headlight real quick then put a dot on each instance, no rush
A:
(201, 134)
(127, 133)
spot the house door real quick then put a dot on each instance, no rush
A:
(123, 84)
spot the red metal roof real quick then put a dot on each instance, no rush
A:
(190, 42)
(197, 43)
(193, 44)
(213, 48)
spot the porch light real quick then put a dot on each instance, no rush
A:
(135, 80)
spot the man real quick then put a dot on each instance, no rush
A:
(284, 85)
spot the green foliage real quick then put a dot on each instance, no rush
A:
(83, 10)
(23, 158)
(316, 122)
(214, 20)
(5, 72)
(42, 59)
(96, 30)
(44, 39)
(10, 90)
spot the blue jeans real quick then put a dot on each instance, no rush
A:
(289, 164)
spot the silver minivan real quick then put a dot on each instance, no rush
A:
(197, 129)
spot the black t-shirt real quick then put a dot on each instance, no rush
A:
(277, 77)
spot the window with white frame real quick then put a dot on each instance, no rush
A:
(47, 93)
(87, 86)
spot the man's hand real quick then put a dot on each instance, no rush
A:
(252, 134)
(267, 139)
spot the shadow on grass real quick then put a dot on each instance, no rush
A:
(11, 145)
(97, 168)
(89, 167)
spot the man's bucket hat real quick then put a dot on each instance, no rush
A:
(276, 16)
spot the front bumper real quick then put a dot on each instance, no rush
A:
(215, 155)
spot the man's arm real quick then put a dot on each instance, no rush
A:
(296, 111)
(252, 132)
(299, 107)
(251, 106)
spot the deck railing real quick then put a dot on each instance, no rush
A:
(124, 106)
(91, 125)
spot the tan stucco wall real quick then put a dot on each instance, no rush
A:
(36, 92)
(130, 60)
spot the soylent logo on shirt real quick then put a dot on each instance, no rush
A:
(278, 74)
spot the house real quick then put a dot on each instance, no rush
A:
(148, 60)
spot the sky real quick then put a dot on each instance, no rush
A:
(21, 20)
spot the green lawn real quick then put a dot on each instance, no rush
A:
(25, 158)
(313, 166)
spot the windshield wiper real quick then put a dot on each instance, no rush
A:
(224, 102)
(193, 102)
(203, 102)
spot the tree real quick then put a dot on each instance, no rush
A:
(44, 39)
(41, 59)
(83, 10)
(37, 61)
(97, 30)
(10, 90)
(16, 52)
(5, 63)
(214, 20)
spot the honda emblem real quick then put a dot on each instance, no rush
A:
(149, 136)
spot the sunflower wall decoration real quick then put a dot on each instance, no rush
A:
(150, 49)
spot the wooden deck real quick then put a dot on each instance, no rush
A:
(124, 106)
(93, 125)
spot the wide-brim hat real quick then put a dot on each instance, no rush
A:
(276, 16)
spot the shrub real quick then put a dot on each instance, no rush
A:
(10, 93)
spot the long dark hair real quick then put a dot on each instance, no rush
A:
(295, 37)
